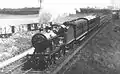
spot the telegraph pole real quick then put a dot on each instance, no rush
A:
(40, 1)
(40, 10)
(112, 2)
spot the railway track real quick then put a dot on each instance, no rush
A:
(76, 57)
(53, 69)
(11, 64)
(68, 58)
(75, 53)
(11, 67)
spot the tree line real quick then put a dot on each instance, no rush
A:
(20, 11)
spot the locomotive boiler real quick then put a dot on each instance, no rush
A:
(55, 41)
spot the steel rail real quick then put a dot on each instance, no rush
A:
(69, 57)
(13, 69)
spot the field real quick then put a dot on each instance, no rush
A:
(17, 19)
(101, 55)
(20, 11)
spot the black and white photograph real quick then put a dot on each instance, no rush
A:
(59, 36)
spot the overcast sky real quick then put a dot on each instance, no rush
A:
(18, 3)
(34, 3)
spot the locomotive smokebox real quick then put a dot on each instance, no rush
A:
(40, 43)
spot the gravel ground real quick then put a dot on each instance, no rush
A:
(101, 55)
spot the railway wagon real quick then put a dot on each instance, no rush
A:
(33, 26)
(23, 28)
(26, 27)
(53, 42)
(6, 31)
(20, 28)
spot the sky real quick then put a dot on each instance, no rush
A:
(18, 3)
(60, 7)
(57, 7)
(35, 3)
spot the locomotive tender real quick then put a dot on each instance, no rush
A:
(57, 39)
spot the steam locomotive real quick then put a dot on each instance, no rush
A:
(56, 40)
